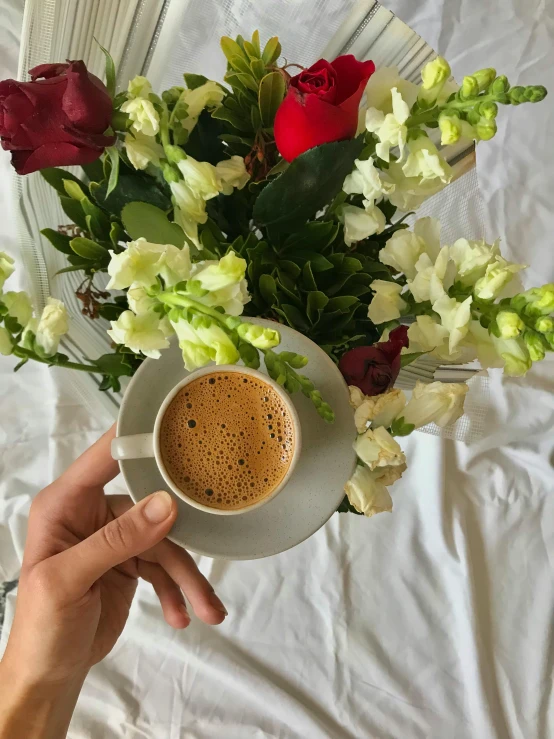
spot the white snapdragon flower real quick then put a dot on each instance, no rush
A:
(259, 336)
(484, 344)
(142, 262)
(209, 95)
(232, 173)
(381, 410)
(188, 224)
(386, 304)
(365, 180)
(200, 177)
(53, 324)
(404, 248)
(356, 396)
(426, 334)
(139, 301)
(206, 342)
(409, 192)
(232, 297)
(143, 116)
(497, 276)
(217, 275)
(139, 87)
(6, 267)
(6, 344)
(192, 205)
(390, 128)
(515, 355)
(425, 162)
(367, 493)
(139, 333)
(472, 258)
(143, 150)
(360, 223)
(433, 279)
(455, 317)
(380, 84)
(19, 306)
(438, 402)
(377, 448)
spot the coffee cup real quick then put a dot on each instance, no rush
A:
(232, 467)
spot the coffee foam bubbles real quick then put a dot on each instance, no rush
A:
(227, 440)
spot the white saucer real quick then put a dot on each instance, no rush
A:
(314, 491)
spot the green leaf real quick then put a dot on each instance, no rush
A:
(294, 317)
(117, 234)
(130, 189)
(347, 507)
(316, 235)
(399, 427)
(56, 176)
(240, 64)
(268, 289)
(256, 42)
(98, 222)
(255, 118)
(224, 114)
(116, 365)
(110, 70)
(312, 180)
(250, 49)
(343, 303)
(246, 79)
(58, 240)
(318, 262)
(272, 51)
(230, 48)
(143, 219)
(93, 171)
(270, 96)
(204, 143)
(281, 166)
(315, 304)
(192, 81)
(72, 209)
(308, 279)
(113, 154)
(89, 249)
(258, 68)
(406, 359)
(291, 268)
(73, 268)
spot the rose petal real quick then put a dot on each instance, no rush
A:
(52, 155)
(352, 77)
(47, 70)
(86, 101)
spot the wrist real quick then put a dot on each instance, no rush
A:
(35, 708)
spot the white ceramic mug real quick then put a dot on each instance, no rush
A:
(139, 446)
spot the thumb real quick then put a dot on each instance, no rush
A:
(137, 530)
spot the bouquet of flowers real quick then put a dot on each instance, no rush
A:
(279, 196)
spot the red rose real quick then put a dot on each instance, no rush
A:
(374, 369)
(59, 119)
(321, 105)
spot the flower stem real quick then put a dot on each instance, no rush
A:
(22, 353)
(183, 301)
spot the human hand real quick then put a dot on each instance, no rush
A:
(84, 554)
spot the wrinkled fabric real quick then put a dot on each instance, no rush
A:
(432, 622)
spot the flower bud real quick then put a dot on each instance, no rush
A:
(488, 110)
(435, 73)
(544, 325)
(535, 93)
(500, 84)
(517, 95)
(535, 345)
(175, 154)
(171, 96)
(170, 174)
(549, 338)
(484, 77)
(539, 300)
(6, 343)
(451, 128)
(470, 87)
(485, 129)
(258, 336)
(509, 324)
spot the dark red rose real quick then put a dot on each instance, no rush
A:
(58, 118)
(374, 369)
(321, 105)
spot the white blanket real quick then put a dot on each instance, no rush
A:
(432, 622)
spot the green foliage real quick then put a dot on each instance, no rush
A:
(59, 241)
(110, 70)
(113, 155)
(55, 176)
(310, 182)
(151, 223)
(347, 507)
(131, 187)
(400, 428)
(270, 96)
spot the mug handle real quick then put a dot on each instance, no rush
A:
(137, 446)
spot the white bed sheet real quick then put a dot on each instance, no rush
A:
(432, 622)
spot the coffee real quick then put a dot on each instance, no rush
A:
(227, 440)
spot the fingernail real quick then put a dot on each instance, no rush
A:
(158, 507)
(217, 604)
